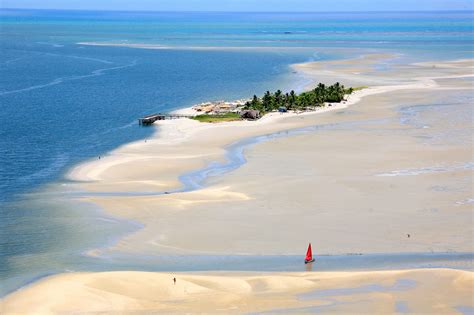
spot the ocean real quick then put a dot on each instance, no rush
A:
(63, 102)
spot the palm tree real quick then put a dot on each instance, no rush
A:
(292, 99)
(316, 97)
(286, 101)
(255, 103)
(278, 99)
(267, 101)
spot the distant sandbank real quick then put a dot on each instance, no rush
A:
(165, 47)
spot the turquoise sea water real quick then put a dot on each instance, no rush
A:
(62, 103)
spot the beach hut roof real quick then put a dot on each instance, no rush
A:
(250, 114)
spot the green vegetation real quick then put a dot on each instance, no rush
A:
(217, 118)
(291, 101)
(359, 88)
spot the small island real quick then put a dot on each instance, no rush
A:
(271, 102)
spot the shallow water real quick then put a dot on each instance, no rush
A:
(63, 103)
(449, 120)
(399, 285)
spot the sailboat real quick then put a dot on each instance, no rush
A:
(309, 255)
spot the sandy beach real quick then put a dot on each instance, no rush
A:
(375, 174)
(419, 291)
(360, 149)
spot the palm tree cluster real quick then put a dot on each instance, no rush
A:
(291, 101)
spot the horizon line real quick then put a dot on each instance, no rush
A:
(225, 11)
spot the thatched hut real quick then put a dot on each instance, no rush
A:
(250, 114)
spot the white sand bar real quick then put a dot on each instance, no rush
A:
(419, 291)
(324, 186)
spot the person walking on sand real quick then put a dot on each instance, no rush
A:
(174, 280)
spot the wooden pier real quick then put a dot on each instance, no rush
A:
(150, 119)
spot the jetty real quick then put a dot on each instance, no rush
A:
(150, 119)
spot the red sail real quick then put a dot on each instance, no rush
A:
(309, 253)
